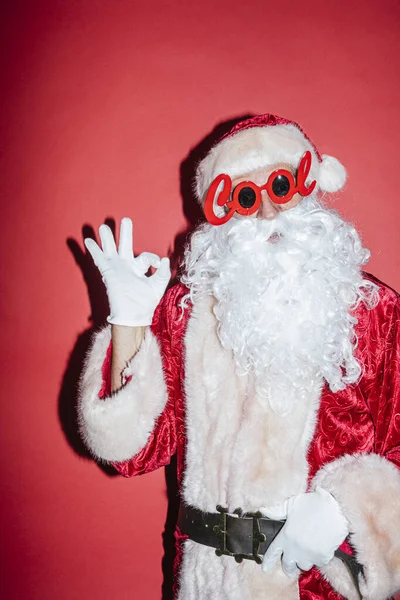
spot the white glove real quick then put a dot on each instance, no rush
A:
(315, 527)
(132, 296)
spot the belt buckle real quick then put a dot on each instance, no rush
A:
(258, 536)
(220, 531)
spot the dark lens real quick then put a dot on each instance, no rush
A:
(247, 197)
(281, 186)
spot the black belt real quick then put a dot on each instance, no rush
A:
(243, 535)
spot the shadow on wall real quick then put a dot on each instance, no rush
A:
(68, 397)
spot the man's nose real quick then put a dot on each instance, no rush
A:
(268, 209)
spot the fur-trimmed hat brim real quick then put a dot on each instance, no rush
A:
(259, 147)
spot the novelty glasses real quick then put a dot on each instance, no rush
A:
(246, 198)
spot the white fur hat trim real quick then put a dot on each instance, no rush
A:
(258, 147)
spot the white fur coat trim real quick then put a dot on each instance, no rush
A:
(367, 487)
(235, 457)
(117, 427)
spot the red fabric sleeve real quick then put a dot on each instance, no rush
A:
(380, 383)
(368, 424)
(168, 326)
(364, 418)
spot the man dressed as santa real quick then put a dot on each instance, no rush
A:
(272, 370)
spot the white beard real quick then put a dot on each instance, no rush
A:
(285, 291)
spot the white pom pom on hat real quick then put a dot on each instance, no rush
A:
(332, 174)
(262, 141)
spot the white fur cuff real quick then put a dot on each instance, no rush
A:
(367, 487)
(116, 428)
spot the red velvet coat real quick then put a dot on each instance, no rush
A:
(363, 418)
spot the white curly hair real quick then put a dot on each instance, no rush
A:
(285, 292)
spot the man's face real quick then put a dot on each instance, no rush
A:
(268, 209)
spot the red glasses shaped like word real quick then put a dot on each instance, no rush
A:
(246, 199)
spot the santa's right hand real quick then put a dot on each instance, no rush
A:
(132, 295)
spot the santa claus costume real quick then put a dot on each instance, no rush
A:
(272, 371)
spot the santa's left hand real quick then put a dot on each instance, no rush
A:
(315, 527)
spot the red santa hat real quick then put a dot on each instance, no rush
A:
(262, 141)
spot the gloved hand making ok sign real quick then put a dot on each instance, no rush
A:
(132, 295)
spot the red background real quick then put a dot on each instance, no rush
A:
(101, 104)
